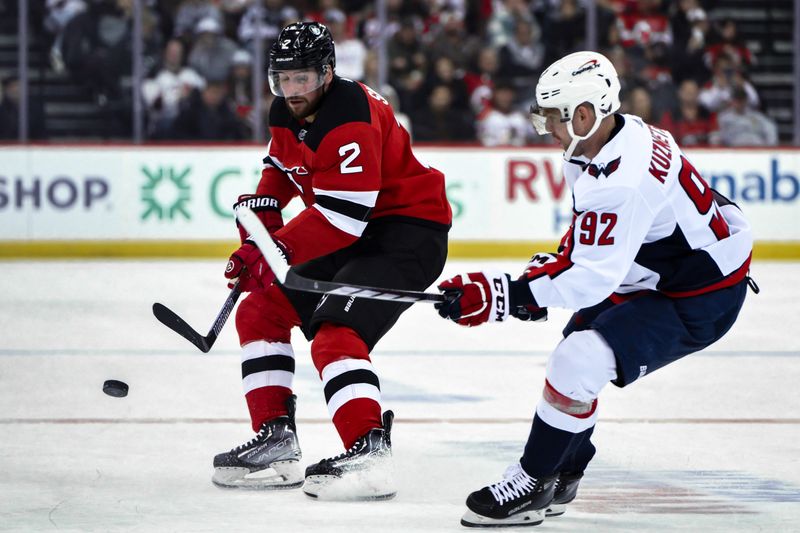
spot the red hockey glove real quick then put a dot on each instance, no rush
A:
(266, 209)
(248, 266)
(483, 297)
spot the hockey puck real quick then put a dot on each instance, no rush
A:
(115, 388)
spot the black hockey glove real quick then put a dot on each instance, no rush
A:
(530, 313)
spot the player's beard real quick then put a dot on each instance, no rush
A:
(301, 107)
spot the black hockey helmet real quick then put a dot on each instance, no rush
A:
(302, 45)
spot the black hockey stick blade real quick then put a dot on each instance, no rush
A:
(291, 280)
(168, 317)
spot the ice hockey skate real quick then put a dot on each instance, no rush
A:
(270, 461)
(566, 490)
(517, 500)
(364, 472)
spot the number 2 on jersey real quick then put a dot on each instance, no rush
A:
(354, 149)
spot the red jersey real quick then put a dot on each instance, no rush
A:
(352, 165)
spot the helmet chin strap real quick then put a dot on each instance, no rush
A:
(577, 138)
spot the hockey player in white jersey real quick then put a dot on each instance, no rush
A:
(655, 265)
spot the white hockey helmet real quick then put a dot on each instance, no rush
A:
(582, 77)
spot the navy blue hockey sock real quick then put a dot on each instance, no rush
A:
(550, 451)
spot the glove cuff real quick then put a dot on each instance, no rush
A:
(520, 294)
(257, 203)
(266, 208)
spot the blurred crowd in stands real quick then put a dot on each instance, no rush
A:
(459, 70)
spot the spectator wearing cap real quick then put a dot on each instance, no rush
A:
(691, 124)
(212, 53)
(351, 54)
(502, 124)
(739, 125)
(164, 92)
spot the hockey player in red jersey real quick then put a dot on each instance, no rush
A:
(375, 216)
(654, 264)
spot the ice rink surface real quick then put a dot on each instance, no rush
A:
(711, 443)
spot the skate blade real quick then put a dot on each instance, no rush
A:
(282, 475)
(556, 509)
(354, 486)
(528, 518)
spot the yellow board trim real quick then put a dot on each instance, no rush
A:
(220, 249)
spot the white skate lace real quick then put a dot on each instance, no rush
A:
(347, 453)
(260, 435)
(515, 483)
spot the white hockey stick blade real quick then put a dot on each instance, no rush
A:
(258, 233)
(291, 280)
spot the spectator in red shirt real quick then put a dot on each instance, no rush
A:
(480, 81)
(691, 124)
(730, 44)
(644, 25)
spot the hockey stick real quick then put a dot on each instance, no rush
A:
(167, 317)
(291, 280)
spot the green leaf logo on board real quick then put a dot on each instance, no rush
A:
(166, 194)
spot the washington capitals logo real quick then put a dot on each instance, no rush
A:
(606, 170)
(589, 65)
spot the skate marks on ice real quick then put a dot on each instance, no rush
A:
(681, 492)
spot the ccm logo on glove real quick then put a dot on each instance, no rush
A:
(500, 313)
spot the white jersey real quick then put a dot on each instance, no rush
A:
(643, 219)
